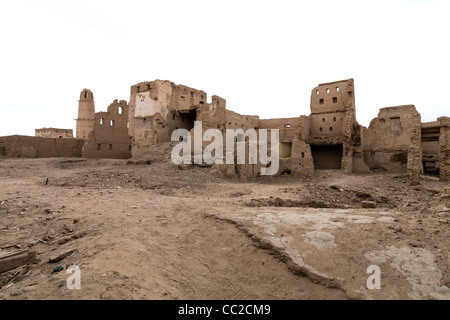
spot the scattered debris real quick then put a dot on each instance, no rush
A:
(58, 269)
(62, 255)
(68, 228)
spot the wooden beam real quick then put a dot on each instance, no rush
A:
(16, 259)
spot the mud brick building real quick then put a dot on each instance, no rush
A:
(328, 138)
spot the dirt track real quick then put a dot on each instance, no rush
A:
(153, 231)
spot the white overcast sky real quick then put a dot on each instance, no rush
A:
(263, 57)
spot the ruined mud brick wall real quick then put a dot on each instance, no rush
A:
(289, 128)
(110, 138)
(239, 121)
(213, 115)
(37, 147)
(157, 108)
(332, 122)
(444, 149)
(86, 112)
(414, 166)
(54, 133)
(392, 136)
(295, 153)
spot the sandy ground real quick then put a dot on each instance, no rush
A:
(153, 231)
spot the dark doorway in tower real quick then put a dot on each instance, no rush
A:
(327, 157)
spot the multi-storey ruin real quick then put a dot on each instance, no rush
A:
(328, 138)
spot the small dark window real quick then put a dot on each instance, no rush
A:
(86, 94)
(192, 94)
(129, 148)
(99, 146)
(110, 147)
(303, 155)
(334, 100)
(321, 129)
(334, 119)
(323, 119)
(331, 128)
(148, 87)
(138, 89)
(321, 101)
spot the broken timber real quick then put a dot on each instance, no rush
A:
(10, 260)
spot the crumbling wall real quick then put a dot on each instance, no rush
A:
(157, 108)
(295, 154)
(414, 165)
(110, 139)
(239, 121)
(37, 147)
(444, 149)
(289, 128)
(213, 115)
(388, 139)
(54, 133)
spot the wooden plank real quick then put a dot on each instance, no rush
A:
(17, 260)
(8, 253)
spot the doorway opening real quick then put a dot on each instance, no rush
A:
(327, 157)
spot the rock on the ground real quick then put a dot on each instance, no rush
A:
(368, 204)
